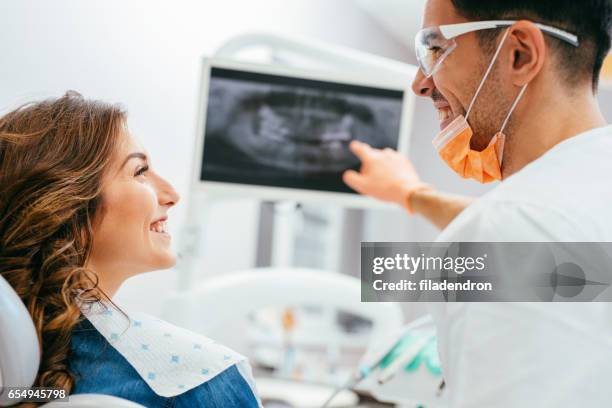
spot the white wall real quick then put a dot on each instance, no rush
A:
(145, 55)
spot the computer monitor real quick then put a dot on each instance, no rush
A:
(278, 133)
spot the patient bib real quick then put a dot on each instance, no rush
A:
(170, 359)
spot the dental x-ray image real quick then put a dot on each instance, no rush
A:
(279, 131)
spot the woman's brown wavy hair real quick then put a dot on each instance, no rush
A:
(53, 157)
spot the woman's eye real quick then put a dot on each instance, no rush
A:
(141, 171)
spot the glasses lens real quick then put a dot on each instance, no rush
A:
(431, 48)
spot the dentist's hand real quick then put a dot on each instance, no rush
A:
(385, 174)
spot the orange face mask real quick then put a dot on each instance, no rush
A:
(453, 142)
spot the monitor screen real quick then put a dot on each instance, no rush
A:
(281, 131)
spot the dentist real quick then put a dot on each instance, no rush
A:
(515, 86)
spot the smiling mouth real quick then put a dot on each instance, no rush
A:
(445, 116)
(159, 227)
(445, 113)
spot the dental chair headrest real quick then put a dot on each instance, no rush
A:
(19, 350)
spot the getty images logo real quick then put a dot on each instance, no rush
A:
(423, 263)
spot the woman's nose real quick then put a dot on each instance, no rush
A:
(167, 194)
(422, 86)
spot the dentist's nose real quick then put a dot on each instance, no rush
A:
(422, 86)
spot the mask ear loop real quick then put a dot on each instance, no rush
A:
(486, 75)
(500, 153)
(516, 102)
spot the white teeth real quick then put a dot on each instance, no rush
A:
(444, 114)
(159, 226)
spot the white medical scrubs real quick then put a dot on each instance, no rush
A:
(541, 355)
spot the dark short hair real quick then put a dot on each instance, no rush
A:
(590, 20)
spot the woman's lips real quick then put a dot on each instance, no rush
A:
(162, 237)
(159, 228)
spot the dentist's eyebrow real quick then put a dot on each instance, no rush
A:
(136, 155)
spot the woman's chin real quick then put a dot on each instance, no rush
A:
(163, 257)
(163, 260)
(170, 261)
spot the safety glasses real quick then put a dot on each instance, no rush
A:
(434, 44)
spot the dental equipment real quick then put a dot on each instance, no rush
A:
(392, 355)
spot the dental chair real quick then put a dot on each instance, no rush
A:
(20, 356)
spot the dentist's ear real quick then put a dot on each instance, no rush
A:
(528, 52)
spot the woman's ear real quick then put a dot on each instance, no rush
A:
(528, 49)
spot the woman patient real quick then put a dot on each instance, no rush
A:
(82, 210)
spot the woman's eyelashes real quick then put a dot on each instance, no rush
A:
(141, 170)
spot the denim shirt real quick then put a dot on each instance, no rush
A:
(100, 369)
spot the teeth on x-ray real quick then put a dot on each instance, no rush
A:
(299, 130)
(306, 131)
(296, 130)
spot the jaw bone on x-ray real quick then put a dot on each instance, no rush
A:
(289, 132)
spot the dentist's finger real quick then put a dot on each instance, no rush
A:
(360, 149)
(354, 180)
